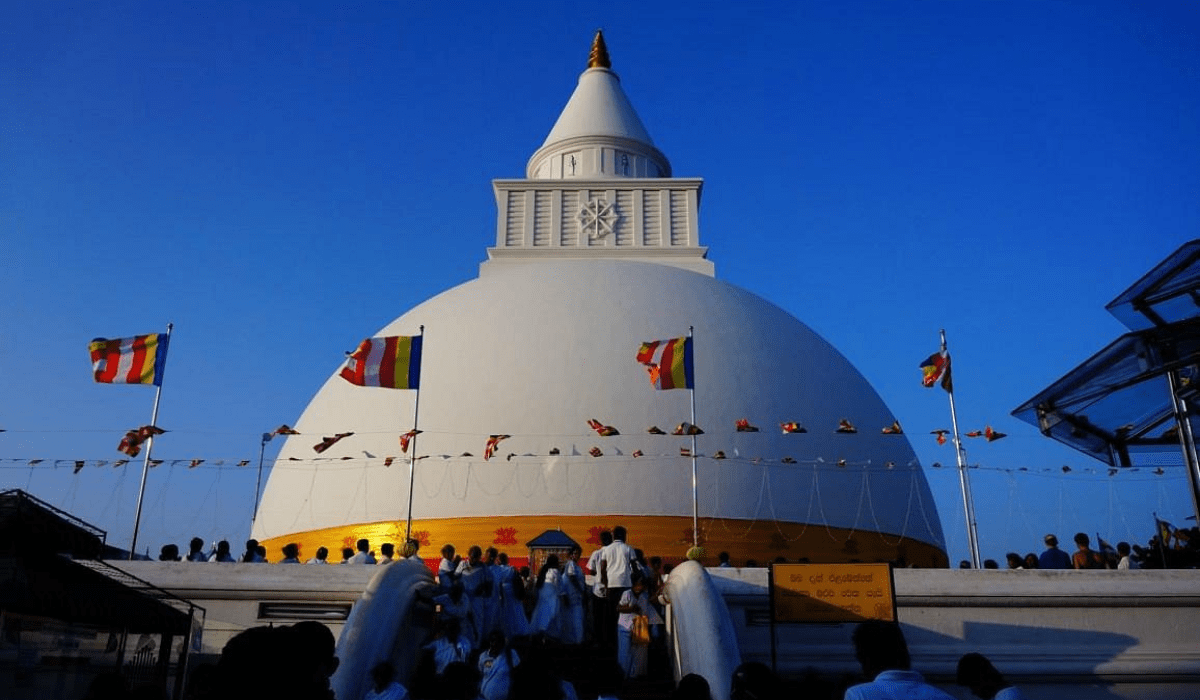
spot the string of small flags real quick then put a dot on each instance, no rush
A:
(133, 440)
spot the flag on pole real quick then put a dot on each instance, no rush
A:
(393, 362)
(669, 363)
(1164, 530)
(935, 369)
(137, 360)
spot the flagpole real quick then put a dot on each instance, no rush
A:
(137, 518)
(695, 499)
(412, 459)
(963, 479)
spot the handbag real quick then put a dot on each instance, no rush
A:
(640, 632)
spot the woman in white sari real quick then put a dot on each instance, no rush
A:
(545, 618)
(574, 585)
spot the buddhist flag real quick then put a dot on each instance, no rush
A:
(792, 427)
(137, 360)
(935, 369)
(393, 362)
(993, 435)
(893, 429)
(669, 363)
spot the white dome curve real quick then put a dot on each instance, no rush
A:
(535, 350)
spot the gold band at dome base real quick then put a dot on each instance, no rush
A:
(669, 537)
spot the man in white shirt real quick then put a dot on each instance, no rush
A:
(883, 654)
(616, 565)
(599, 596)
(363, 555)
(321, 558)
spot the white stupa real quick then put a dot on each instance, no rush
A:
(597, 251)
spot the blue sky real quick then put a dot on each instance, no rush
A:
(280, 180)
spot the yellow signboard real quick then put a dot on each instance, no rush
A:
(832, 592)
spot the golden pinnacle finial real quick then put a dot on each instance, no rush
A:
(598, 58)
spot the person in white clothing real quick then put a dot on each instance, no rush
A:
(387, 552)
(574, 588)
(598, 601)
(616, 568)
(291, 553)
(447, 567)
(477, 583)
(496, 665)
(634, 602)
(449, 646)
(986, 683)
(883, 655)
(1127, 561)
(545, 619)
(363, 555)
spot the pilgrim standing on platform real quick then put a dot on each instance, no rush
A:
(633, 602)
(474, 577)
(575, 587)
(456, 604)
(491, 602)
(512, 608)
(447, 567)
(549, 594)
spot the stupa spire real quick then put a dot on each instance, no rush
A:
(598, 135)
(598, 57)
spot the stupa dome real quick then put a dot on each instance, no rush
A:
(543, 341)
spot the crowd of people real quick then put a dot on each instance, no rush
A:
(495, 625)
(297, 662)
(1159, 553)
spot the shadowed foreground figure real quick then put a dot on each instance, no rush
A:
(883, 654)
(978, 674)
(293, 662)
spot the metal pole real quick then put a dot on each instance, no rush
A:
(1187, 441)
(262, 449)
(137, 518)
(695, 499)
(963, 479)
(412, 458)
